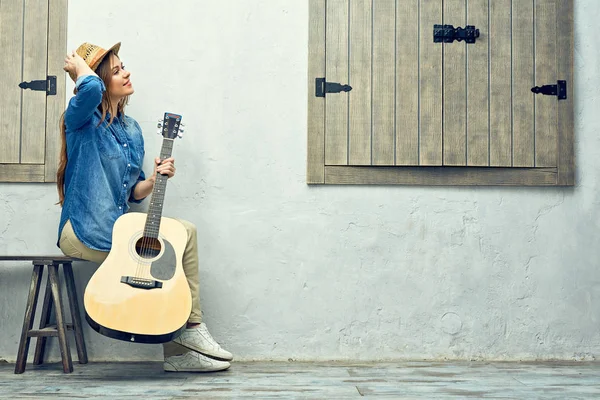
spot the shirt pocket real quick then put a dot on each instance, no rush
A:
(137, 145)
(108, 146)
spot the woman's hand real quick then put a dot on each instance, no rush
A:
(76, 66)
(144, 188)
(166, 167)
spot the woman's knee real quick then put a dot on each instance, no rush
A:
(189, 227)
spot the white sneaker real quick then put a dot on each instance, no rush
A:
(201, 341)
(193, 362)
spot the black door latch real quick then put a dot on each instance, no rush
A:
(560, 90)
(448, 34)
(48, 85)
(323, 87)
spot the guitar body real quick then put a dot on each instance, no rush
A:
(140, 292)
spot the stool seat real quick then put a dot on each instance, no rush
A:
(52, 296)
(40, 258)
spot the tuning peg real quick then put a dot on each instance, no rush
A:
(180, 134)
(159, 131)
(181, 130)
(159, 125)
(181, 124)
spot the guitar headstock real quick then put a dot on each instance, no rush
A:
(170, 126)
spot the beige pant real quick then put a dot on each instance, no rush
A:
(72, 247)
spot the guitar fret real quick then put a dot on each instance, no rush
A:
(153, 219)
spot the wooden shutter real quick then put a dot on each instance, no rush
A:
(33, 45)
(465, 111)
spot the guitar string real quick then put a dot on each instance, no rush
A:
(144, 250)
(145, 246)
(143, 269)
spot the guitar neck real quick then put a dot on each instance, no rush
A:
(158, 195)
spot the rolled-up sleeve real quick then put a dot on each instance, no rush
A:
(140, 178)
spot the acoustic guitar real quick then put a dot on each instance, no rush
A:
(140, 292)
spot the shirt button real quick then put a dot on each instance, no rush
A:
(129, 165)
(125, 145)
(120, 207)
(124, 185)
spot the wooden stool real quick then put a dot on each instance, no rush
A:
(52, 295)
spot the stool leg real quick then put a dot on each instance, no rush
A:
(34, 290)
(40, 346)
(75, 315)
(63, 341)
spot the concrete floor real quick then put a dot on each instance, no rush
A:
(295, 380)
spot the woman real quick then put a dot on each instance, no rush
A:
(100, 171)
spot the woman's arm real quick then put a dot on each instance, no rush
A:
(143, 188)
(89, 91)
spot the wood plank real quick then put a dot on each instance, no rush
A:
(49, 330)
(32, 299)
(407, 82)
(384, 65)
(478, 131)
(455, 88)
(43, 259)
(566, 127)
(336, 70)
(41, 334)
(500, 84)
(40, 345)
(442, 176)
(523, 81)
(55, 105)
(546, 121)
(11, 43)
(430, 85)
(282, 380)
(35, 58)
(61, 324)
(361, 32)
(316, 105)
(22, 173)
(76, 325)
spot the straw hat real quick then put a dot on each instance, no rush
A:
(93, 55)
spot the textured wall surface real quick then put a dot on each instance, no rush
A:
(319, 273)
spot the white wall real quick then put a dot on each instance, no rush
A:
(319, 273)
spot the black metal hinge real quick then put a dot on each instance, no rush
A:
(448, 34)
(560, 90)
(48, 85)
(323, 87)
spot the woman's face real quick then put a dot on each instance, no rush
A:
(120, 84)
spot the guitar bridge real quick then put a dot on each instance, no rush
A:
(141, 283)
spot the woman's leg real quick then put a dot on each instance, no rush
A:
(180, 357)
(190, 268)
(72, 247)
(192, 351)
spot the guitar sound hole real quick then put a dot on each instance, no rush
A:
(147, 247)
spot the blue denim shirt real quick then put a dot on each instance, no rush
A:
(104, 165)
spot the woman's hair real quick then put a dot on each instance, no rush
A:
(105, 73)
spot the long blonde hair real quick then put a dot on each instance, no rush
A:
(105, 73)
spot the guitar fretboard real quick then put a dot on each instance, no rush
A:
(158, 195)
